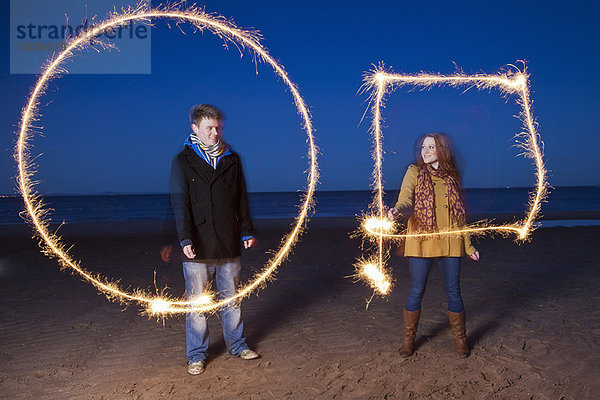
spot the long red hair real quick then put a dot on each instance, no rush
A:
(444, 154)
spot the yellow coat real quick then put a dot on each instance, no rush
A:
(440, 246)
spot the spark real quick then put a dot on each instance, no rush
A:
(159, 306)
(376, 278)
(202, 300)
(380, 82)
(38, 215)
(378, 225)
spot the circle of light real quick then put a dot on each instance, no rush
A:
(381, 82)
(37, 213)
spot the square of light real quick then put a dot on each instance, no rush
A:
(380, 83)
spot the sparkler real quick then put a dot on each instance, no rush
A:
(38, 214)
(380, 83)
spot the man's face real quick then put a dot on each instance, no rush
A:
(209, 131)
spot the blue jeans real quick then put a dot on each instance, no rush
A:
(419, 270)
(226, 273)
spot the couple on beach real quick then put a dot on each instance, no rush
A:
(209, 200)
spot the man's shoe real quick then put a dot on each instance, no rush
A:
(196, 368)
(248, 354)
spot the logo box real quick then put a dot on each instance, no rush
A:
(40, 28)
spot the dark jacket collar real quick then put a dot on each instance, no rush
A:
(202, 168)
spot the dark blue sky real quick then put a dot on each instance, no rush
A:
(117, 133)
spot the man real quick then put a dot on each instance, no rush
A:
(208, 195)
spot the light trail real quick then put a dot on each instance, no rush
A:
(379, 82)
(38, 214)
(371, 273)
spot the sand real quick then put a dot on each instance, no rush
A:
(533, 322)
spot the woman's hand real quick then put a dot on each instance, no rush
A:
(393, 213)
(475, 256)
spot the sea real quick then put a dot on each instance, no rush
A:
(130, 207)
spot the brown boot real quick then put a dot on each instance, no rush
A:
(411, 320)
(457, 323)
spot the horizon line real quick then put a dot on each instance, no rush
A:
(4, 195)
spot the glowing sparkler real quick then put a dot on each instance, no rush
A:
(38, 215)
(378, 225)
(380, 83)
(375, 277)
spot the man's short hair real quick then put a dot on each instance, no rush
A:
(205, 111)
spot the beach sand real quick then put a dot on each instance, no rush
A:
(533, 322)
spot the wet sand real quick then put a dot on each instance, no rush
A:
(533, 322)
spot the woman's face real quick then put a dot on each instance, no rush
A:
(429, 152)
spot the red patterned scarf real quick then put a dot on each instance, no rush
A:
(424, 209)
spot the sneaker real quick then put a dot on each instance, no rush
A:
(196, 368)
(248, 354)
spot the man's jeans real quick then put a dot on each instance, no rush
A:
(226, 273)
(419, 270)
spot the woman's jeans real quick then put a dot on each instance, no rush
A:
(226, 273)
(419, 270)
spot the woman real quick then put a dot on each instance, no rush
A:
(431, 187)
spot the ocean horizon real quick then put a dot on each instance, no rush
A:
(269, 205)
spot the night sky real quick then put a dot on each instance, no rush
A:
(118, 132)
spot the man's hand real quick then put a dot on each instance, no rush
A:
(393, 213)
(475, 256)
(249, 243)
(189, 251)
(165, 252)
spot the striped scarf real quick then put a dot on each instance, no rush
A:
(210, 154)
(424, 209)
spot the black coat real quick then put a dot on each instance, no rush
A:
(210, 206)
